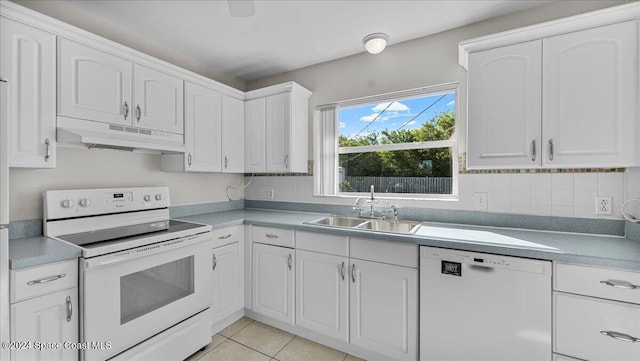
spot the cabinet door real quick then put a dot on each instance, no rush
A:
(254, 141)
(226, 283)
(93, 85)
(272, 281)
(505, 107)
(590, 97)
(322, 288)
(384, 309)
(49, 318)
(27, 62)
(232, 135)
(278, 130)
(158, 100)
(202, 129)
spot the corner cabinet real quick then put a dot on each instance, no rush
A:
(562, 101)
(28, 64)
(276, 129)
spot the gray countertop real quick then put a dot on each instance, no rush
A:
(600, 250)
(34, 251)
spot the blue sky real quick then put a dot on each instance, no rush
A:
(360, 120)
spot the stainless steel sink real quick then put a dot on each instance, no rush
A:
(338, 221)
(376, 225)
(391, 226)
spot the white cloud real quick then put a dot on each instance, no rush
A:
(396, 106)
(451, 103)
(368, 118)
(342, 124)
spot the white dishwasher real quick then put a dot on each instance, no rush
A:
(476, 307)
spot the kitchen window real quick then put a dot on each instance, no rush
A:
(403, 143)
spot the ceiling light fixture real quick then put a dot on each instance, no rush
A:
(375, 43)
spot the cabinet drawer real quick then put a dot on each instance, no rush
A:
(580, 321)
(323, 243)
(223, 236)
(36, 281)
(386, 252)
(275, 236)
(598, 282)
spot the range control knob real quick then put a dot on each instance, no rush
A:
(147, 198)
(67, 203)
(158, 197)
(84, 202)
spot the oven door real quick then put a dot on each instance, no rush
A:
(129, 296)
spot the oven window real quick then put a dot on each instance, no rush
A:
(150, 289)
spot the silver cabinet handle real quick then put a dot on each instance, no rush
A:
(353, 273)
(226, 162)
(286, 161)
(342, 271)
(189, 159)
(620, 336)
(138, 113)
(550, 149)
(214, 262)
(69, 309)
(270, 235)
(289, 259)
(533, 150)
(45, 280)
(126, 110)
(620, 284)
(47, 154)
(225, 237)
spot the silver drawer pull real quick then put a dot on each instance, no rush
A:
(214, 262)
(47, 154)
(551, 149)
(45, 280)
(353, 273)
(620, 284)
(225, 237)
(533, 150)
(620, 336)
(126, 110)
(269, 235)
(69, 309)
(342, 271)
(289, 259)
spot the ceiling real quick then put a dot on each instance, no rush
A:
(288, 35)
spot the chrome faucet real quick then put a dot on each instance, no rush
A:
(371, 202)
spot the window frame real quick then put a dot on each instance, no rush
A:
(327, 150)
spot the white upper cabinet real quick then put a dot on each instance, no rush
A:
(590, 97)
(93, 85)
(158, 100)
(505, 106)
(254, 136)
(27, 63)
(567, 98)
(232, 135)
(202, 129)
(276, 129)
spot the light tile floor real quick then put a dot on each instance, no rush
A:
(249, 340)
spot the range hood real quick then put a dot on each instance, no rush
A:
(89, 134)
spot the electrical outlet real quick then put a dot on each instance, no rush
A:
(480, 201)
(603, 206)
(270, 194)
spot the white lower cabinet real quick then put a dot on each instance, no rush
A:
(49, 319)
(273, 282)
(226, 282)
(322, 293)
(384, 309)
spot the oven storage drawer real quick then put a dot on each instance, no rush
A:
(274, 236)
(584, 327)
(599, 282)
(35, 281)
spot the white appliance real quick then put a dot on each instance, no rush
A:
(144, 290)
(476, 306)
(4, 219)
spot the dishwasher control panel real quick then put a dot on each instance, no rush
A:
(453, 261)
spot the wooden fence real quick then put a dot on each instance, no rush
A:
(428, 185)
